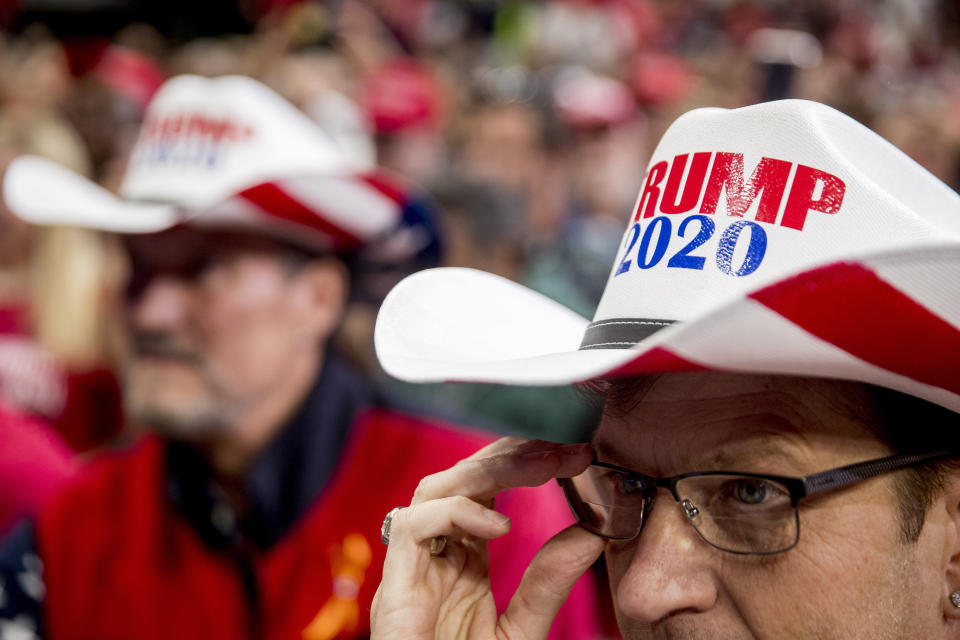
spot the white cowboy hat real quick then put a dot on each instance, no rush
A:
(780, 238)
(221, 152)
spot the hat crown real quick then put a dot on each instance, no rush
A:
(205, 139)
(735, 199)
(223, 153)
(785, 238)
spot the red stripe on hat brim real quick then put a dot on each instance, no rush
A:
(387, 185)
(273, 200)
(852, 308)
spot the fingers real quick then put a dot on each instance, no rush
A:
(420, 594)
(456, 515)
(505, 464)
(547, 582)
(412, 529)
(503, 444)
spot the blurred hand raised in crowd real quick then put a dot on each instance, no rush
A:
(424, 596)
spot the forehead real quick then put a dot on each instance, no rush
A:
(696, 421)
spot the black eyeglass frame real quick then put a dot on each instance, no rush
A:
(799, 488)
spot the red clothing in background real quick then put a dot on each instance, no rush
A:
(146, 545)
(83, 406)
(34, 463)
(120, 562)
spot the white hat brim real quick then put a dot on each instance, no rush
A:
(455, 324)
(464, 324)
(44, 193)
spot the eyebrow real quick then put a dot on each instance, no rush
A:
(606, 452)
(738, 459)
(744, 458)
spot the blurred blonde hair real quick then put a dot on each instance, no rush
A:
(74, 275)
(71, 272)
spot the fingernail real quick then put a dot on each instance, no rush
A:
(574, 449)
(496, 517)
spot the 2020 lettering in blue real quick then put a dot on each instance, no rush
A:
(653, 242)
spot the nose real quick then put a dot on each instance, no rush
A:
(163, 305)
(667, 569)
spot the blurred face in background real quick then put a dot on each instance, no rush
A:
(502, 144)
(34, 76)
(221, 326)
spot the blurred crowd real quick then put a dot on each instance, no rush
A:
(528, 123)
(525, 125)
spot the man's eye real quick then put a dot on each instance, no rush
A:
(208, 265)
(753, 491)
(621, 484)
(629, 486)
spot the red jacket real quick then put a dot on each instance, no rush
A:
(128, 553)
(119, 564)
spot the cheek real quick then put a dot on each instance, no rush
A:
(618, 556)
(849, 577)
(250, 333)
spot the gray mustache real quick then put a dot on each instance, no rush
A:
(163, 345)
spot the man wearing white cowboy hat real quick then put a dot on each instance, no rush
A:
(779, 344)
(254, 509)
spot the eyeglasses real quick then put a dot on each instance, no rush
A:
(744, 513)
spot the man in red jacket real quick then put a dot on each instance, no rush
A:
(253, 507)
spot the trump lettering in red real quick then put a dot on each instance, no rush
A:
(810, 190)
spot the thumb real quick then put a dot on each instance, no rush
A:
(547, 582)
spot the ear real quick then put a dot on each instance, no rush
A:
(322, 286)
(950, 501)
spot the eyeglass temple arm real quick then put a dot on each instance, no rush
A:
(842, 476)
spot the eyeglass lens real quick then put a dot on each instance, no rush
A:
(741, 514)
